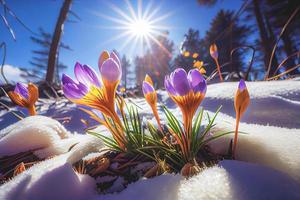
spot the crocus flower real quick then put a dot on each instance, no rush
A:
(241, 102)
(214, 54)
(187, 91)
(25, 96)
(89, 90)
(151, 97)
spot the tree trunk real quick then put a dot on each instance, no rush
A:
(55, 41)
(262, 32)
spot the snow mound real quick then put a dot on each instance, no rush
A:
(239, 180)
(50, 179)
(55, 178)
(270, 146)
(31, 133)
(229, 180)
(162, 187)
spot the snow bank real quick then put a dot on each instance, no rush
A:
(239, 180)
(55, 178)
(50, 179)
(31, 133)
(270, 146)
(162, 187)
(259, 89)
(229, 180)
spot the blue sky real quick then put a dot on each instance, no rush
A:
(89, 36)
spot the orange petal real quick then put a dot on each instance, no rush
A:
(33, 93)
(17, 99)
(104, 56)
(241, 101)
(148, 79)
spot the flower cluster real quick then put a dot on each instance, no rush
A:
(176, 144)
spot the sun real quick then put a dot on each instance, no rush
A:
(137, 28)
(140, 28)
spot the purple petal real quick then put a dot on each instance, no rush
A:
(86, 75)
(66, 79)
(72, 89)
(180, 82)
(147, 88)
(110, 70)
(114, 56)
(197, 81)
(242, 85)
(22, 90)
(169, 87)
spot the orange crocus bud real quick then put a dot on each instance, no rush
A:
(25, 96)
(213, 51)
(151, 97)
(214, 54)
(149, 79)
(241, 102)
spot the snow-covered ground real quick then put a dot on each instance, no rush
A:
(268, 157)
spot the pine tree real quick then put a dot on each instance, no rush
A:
(235, 36)
(40, 56)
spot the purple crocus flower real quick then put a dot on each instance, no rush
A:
(22, 90)
(72, 89)
(242, 85)
(180, 84)
(110, 68)
(147, 88)
(86, 77)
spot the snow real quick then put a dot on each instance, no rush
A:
(161, 187)
(51, 179)
(239, 180)
(259, 89)
(55, 173)
(32, 133)
(270, 146)
(228, 180)
(267, 166)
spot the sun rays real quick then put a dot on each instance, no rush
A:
(137, 28)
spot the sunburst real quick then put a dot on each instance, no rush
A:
(138, 28)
